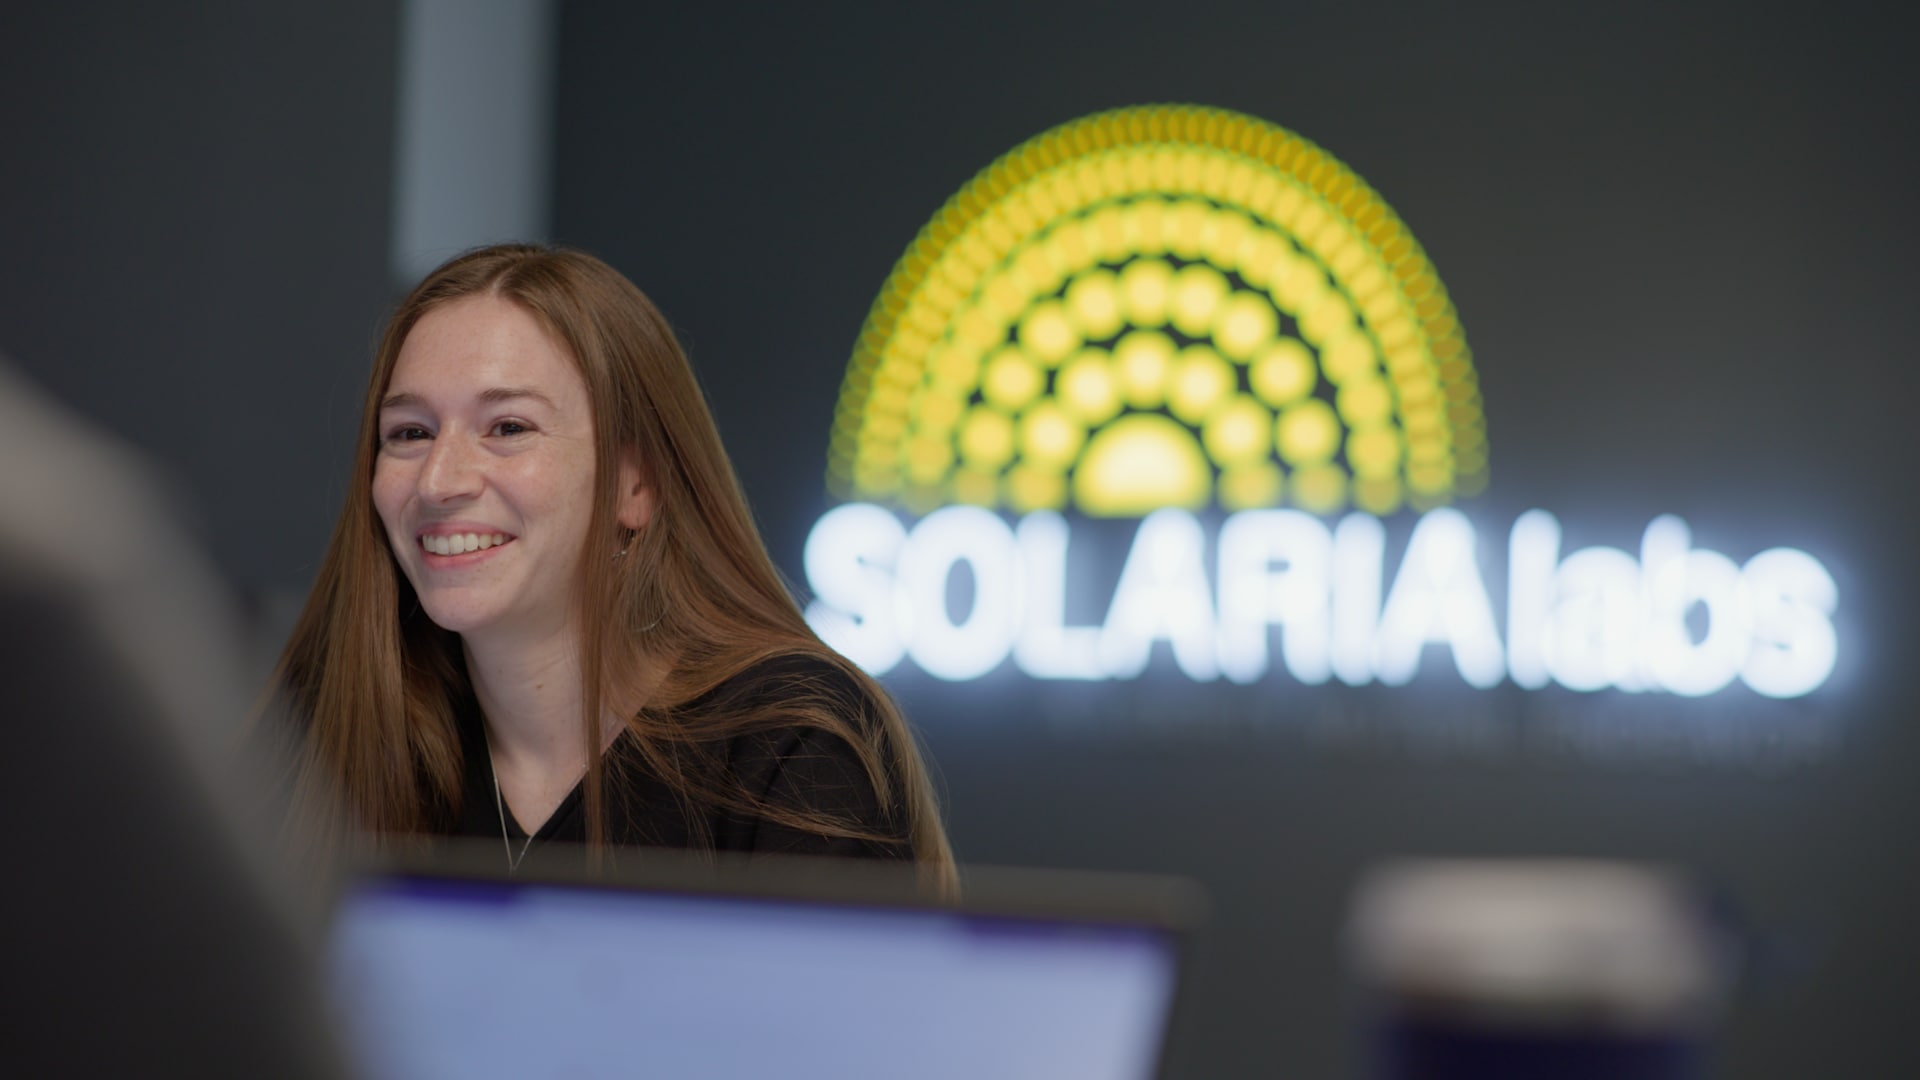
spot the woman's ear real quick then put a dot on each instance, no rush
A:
(635, 507)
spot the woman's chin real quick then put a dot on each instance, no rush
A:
(458, 618)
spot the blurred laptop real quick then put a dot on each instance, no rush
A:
(677, 968)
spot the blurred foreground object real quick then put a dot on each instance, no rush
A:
(1576, 970)
(679, 964)
(145, 935)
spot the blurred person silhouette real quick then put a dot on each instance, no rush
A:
(545, 614)
(147, 933)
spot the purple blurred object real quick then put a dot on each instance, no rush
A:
(1569, 969)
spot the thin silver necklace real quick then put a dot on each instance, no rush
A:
(500, 804)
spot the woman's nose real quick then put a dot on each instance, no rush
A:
(452, 470)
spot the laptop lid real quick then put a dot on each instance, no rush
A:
(677, 968)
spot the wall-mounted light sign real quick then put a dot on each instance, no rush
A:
(1591, 619)
(1156, 311)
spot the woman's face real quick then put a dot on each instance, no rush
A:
(484, 478)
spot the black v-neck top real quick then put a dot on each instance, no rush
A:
(793, 767)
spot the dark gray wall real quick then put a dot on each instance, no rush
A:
(1680, 242)
(193, 207)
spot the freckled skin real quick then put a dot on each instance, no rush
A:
(522, 465)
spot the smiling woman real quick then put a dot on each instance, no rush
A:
(545, 614)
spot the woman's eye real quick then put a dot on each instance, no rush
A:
(510, 427)
(408, 433)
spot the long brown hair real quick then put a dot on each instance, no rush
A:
(377, 684)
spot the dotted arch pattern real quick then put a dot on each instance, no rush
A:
(1161, 306)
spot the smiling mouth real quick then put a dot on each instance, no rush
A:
(462, 543)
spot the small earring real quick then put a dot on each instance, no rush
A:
(625, 544)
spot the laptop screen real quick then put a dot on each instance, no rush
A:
(442, 977)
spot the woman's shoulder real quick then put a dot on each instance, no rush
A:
(812, 747)
(796, 682)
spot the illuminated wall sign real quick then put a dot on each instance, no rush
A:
(1154, 312)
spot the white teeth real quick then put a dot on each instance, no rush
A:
(462, 543)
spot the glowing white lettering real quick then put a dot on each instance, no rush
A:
(978, 643)
(1274, 570)
(1359, 551)
(1438, 597)
(1047, 648)
(1681, 580)
(1677, 619)
(849, 560)
(1162, 595)
(1533, 550)
(1592, 632)
(1794, 646)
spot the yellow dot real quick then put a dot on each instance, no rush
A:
(976, 328)
(876, 477)
(1259, 252)
(1048, 332)
(1035, 270)
(1050, 436)
(986, 439)
(1138, 464)
(1239, 432)
(923, 498)
(1087, 387)
(1145, 226)
(1201, 382)
(1374, 451)
(1093, 303)
(1320, 489)
(890, 399)
(1144, 288)
(1283, 372)
(1244, 323)
(1308, 433)
(884, 426)
(1378, 494)
(1227, 238)
(1067, 250)
(1364, 400)
(1430, 479)
(955, 368)
(1250, 486)
(1197, 292)
(1031, 488)
(929, 458)
(1107, 233)
(1426, 448)
(1186, 228)
(1325, 317)
(1011, 379)
(1003, 297)
(936, 411)
(976, 487)
(1295, 281)
(1349, 356)
(1143, 359)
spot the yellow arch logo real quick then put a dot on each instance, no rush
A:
(1161, 306)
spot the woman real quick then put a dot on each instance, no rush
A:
(545, 614)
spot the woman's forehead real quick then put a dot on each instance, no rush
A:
(483, 350)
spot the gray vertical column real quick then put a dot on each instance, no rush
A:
(473, 137)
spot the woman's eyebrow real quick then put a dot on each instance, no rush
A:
(491, 396)
(509, 393)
